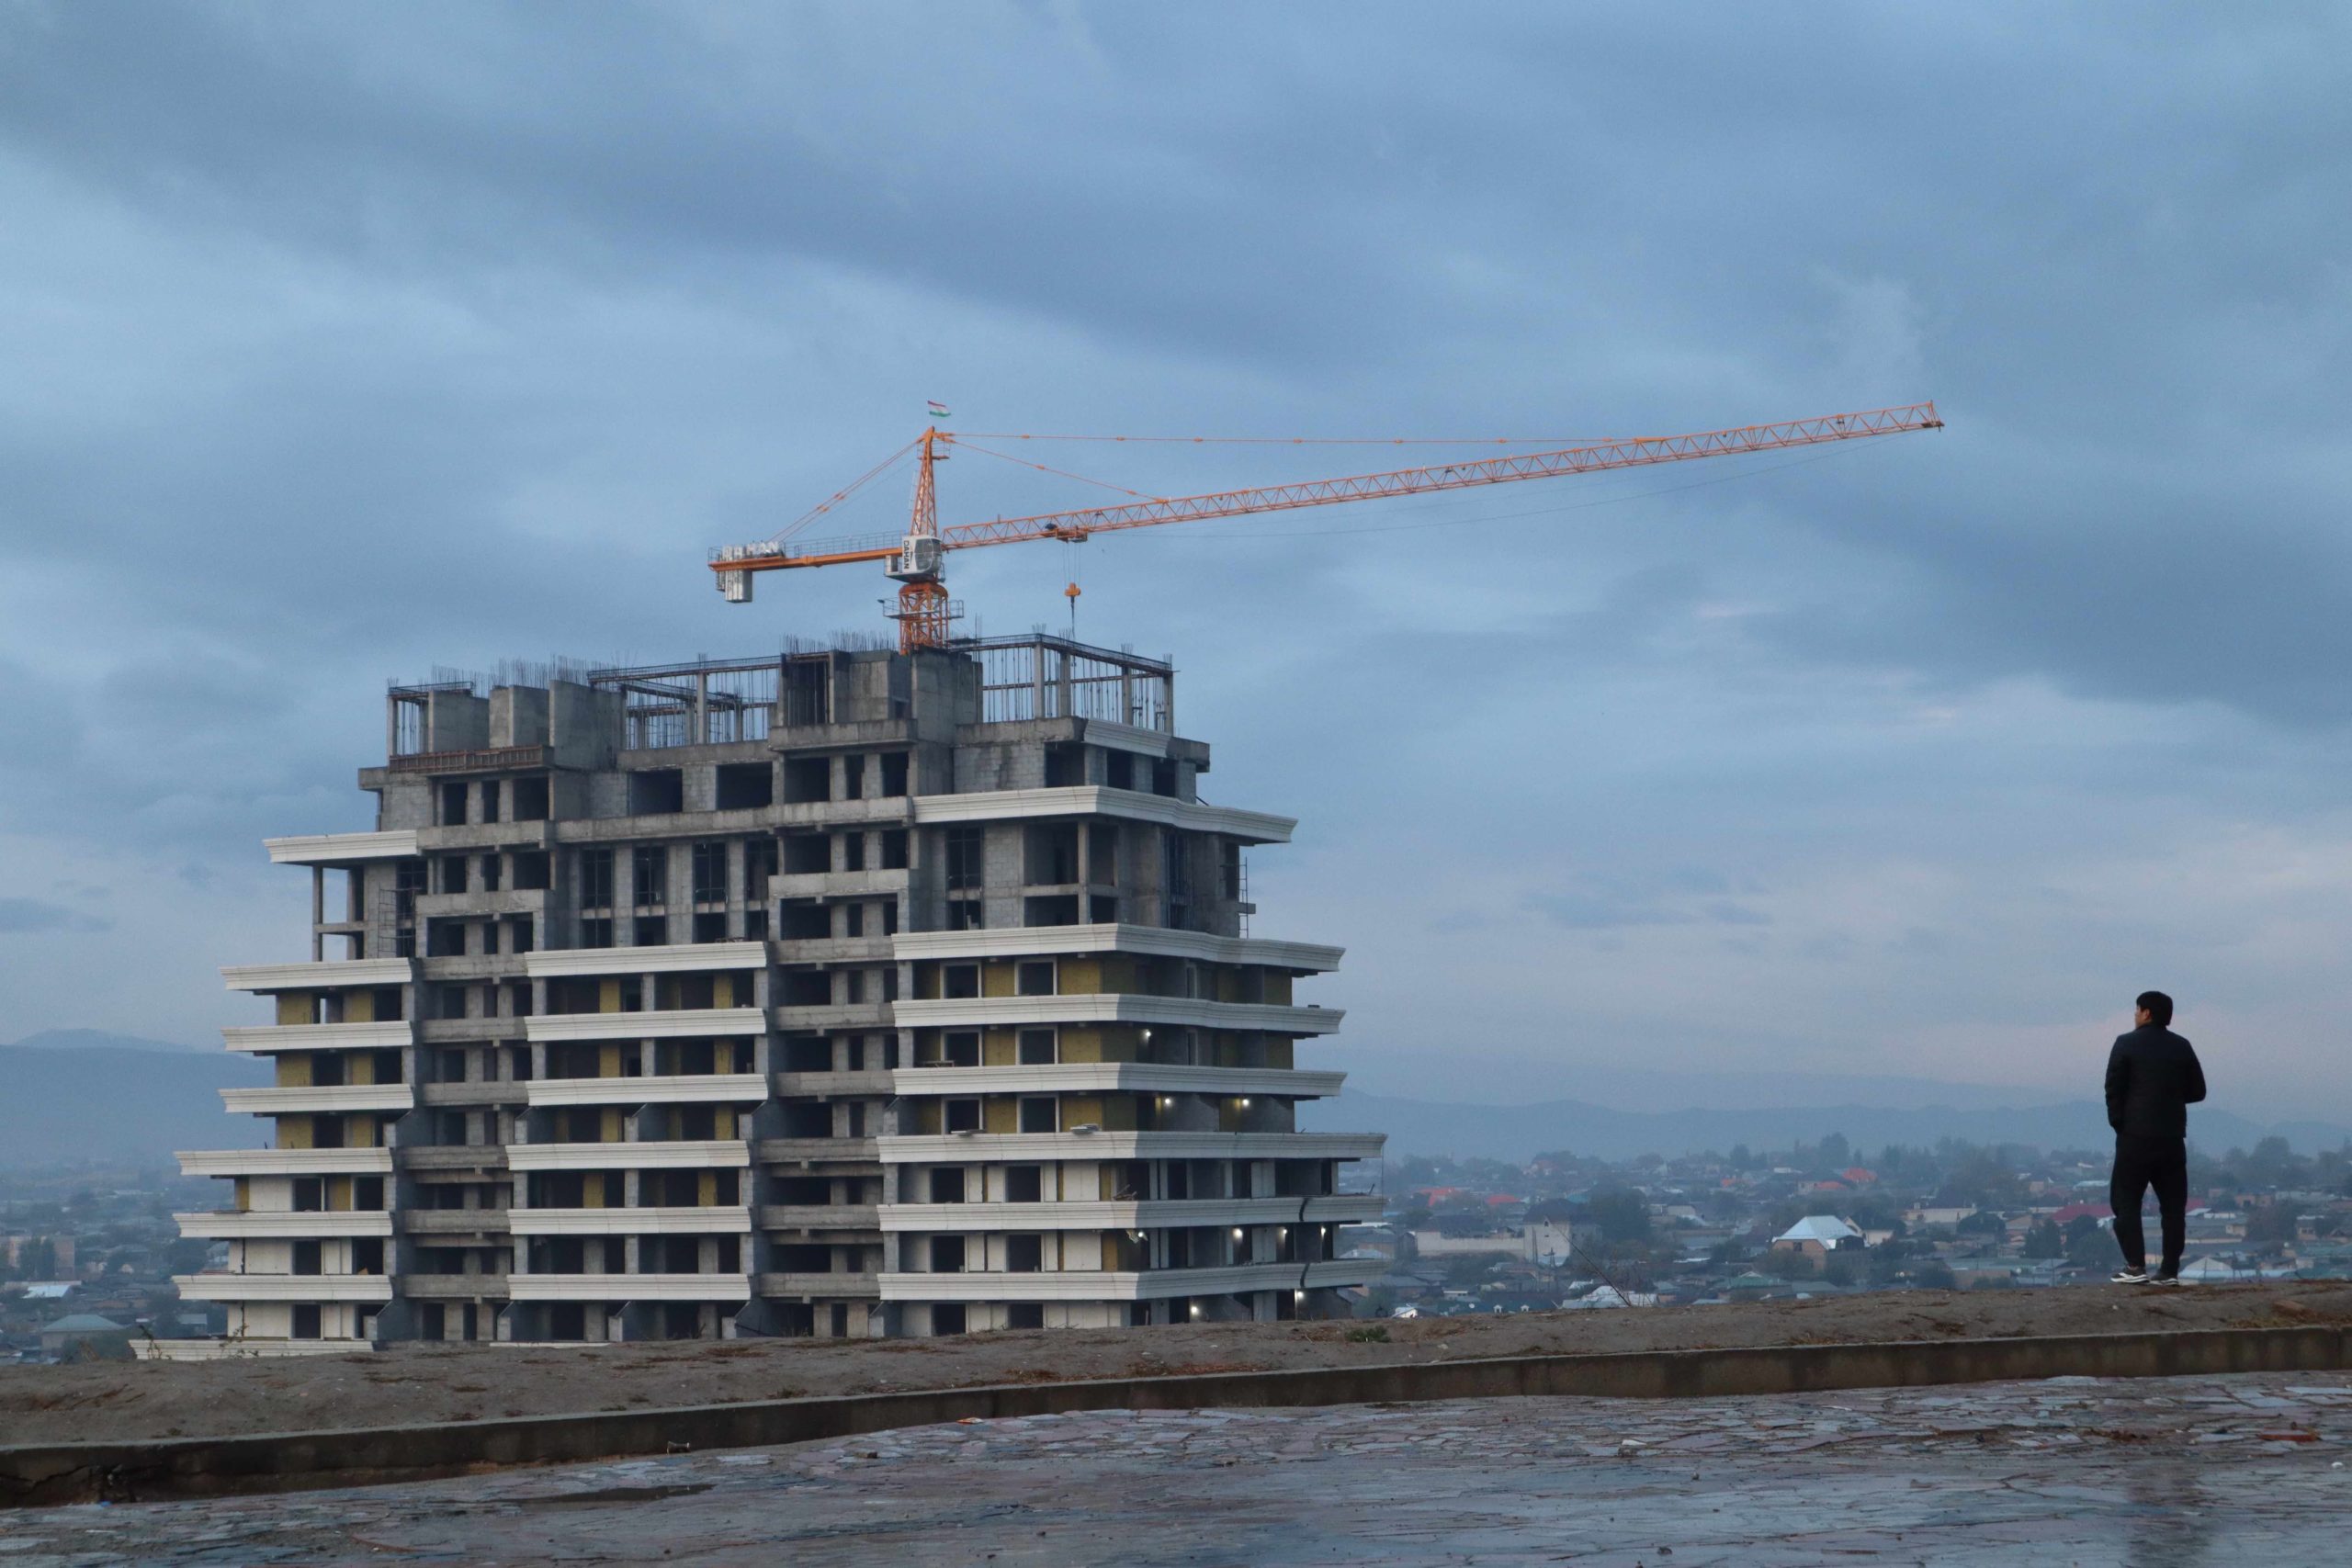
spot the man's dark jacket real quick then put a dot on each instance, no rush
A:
(2152, 1080)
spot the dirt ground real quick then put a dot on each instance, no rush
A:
(118, 1401)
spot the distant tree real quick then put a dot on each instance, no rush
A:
(1834, 1153)
(1984, 1222)
(1787, 1263)
(2045, 1240)
(2274, 1164)
(1419, 1216)
(1933, 1275)
(1980, 1179)
(2090, 1245)
(1622, 1213)
(1874, 1212)
(1741, 1157)
(1553, 1209)
(1844, 1267)
(38, 1259)
(2269, 1224)
(1466, 1271)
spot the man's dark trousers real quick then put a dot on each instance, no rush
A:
(2142, 1163)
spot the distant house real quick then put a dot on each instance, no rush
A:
(1816, 1235)
(1937, 1215)
(1859, 1176)
(1749, 1287)
(1549, 1242)
(67, 1332)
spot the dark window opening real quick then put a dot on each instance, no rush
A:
(894, 849)
(745, 786)
(1037, 1047)
(962, 1115)
(490, 800)
(759, 866)
(1035, 977)
(808, 1053)
(966, 870)
(709, 865)
(531, 800)
(947, 1184)
(808, 989)
(1065, 766)
(808, 780)
(806, 854)
(657, 792)
(595, 879)
(947, 1317)
(1058, 910)
(453, 804)
(1024, 1314)
(959, 981)
(1119, 769)
(649, 876)
(946, 1257)
(1040, 1114)
(1163, 776)
(1051, 855)
(960, 1048)
(1025, 1253)
(804, 921)
(710, 926)
(894, 774)
(1024, 1184)
(652, 930)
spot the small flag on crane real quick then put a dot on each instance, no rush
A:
(938, 410)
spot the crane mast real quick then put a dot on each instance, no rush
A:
(918, 561)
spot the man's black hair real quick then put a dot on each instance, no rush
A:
(2158, 1006)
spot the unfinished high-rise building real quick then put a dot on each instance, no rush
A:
(843, 992)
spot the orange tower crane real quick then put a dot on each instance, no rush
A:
(918, 561)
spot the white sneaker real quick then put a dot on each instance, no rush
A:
(2128, 1277)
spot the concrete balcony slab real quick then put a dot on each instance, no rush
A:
(283, 1286)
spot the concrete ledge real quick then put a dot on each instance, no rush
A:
(44, 1474)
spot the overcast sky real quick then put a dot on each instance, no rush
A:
(342, 342)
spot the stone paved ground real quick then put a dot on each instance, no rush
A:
(2070, 1470)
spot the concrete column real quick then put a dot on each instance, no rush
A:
(318, 912)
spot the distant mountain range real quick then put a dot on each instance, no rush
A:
(76, 1094)
(1517, 1132)
(85, 1039)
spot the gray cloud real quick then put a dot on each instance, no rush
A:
(21, 916)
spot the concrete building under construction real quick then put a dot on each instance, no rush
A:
(843, 992)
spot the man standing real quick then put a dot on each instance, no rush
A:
(2152, 1077)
